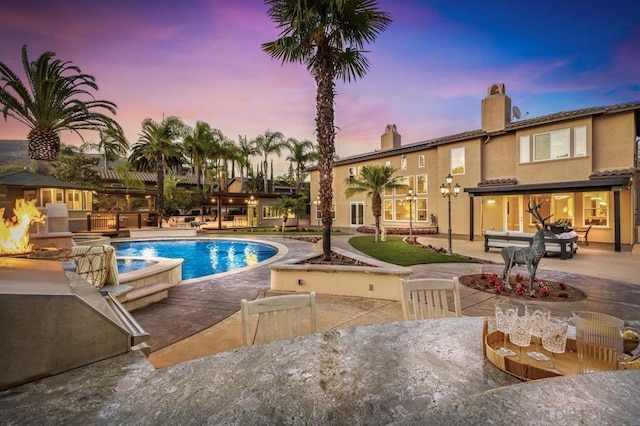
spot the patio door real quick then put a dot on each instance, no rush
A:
(513, 213)
(357, 214)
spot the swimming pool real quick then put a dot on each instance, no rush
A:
(201, 257)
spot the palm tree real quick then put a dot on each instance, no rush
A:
(302, 153)
(328, 36)
(51, 102)
(374, 180)
(266, 144)
(286, 206)
(157, 150)
(112, 144)
(246, 150)
(196, 144)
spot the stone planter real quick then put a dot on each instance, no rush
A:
(380, 281)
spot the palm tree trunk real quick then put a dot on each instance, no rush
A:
(160, 182)
(326, 134)
(265, 179)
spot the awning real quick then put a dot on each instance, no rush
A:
(600, 184)
(614, 184)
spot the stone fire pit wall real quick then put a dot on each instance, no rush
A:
(379, 281)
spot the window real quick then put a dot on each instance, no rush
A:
(559, 206)
(271, 212)
(421, 210)
(402, 209)
(552, 145)
(387, 205)
(457, 161)
(580, 141)
(544, 201)
(74, 199)
(562, 208)
(357, 213)
(420, 161)
(51, 195)
(596, 208)
(421, 187)
(525, 148)
(353, 172)
(387, 163)
(88, 200)
(408, 181)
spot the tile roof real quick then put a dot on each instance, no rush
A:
(27, 178)
(601, 174)
(545, 119)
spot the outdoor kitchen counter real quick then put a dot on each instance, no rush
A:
(407, 372)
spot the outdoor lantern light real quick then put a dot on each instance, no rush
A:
(447, 191)
(411, 199)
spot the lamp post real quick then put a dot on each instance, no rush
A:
(411, 199)
(447, 191)
(316, 203)
(252, 203)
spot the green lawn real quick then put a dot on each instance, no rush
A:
(395, 251)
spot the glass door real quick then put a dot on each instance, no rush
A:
(357, 214)
(513, 213)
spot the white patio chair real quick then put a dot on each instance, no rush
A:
(427, 298)
(278, 317)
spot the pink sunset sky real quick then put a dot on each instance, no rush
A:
(201, 60)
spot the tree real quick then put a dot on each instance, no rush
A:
(285, 207)
(246, 150)
(157, 150)
(374, 180)
(302, 153)
(72, 166)
(266, 144)
(112, 144)
(196, 145)
(52, 101)
(328, 36)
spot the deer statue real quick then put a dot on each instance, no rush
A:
(529, 256)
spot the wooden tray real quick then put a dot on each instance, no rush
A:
(527, 368)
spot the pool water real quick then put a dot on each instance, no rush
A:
(201, 257)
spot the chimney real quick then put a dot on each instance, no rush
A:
(390, 139)
(496, 109)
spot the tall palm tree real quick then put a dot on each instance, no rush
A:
(196, 144)
(50, 101)
(246, 150)
(328, 36)
(157, 150)
(112, 144)
(266, 144)
(302, 153)
(373, 181)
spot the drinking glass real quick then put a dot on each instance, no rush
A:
(599, 341)
(554, 339)
(505, 316)
(538, 319)
(520, 334)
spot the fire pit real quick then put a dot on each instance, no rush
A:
(14, 232)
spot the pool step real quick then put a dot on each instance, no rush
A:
(143, 296)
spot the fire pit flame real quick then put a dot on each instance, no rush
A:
(14, 232)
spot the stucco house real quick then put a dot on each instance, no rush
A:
(580, 164)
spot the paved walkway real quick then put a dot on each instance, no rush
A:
(611, 281)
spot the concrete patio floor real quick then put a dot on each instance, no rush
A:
(611, 281)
